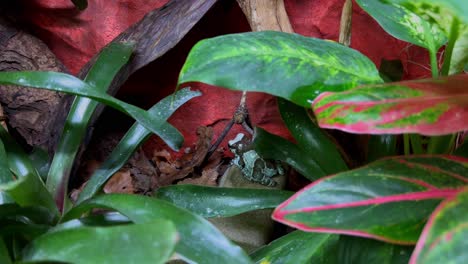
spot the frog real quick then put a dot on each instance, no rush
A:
(253, 167)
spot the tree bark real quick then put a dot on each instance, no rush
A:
(266, 15)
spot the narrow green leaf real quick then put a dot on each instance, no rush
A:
(5, 175)
(40, 159)
(403, 24)
(290, 66)
(61, 82)
(27, 188)
(221, 202)
(151, 242)
(403, 189)
(428, 107)
(462, 150)
(200, 241)
(298, 247)
(288, 152)
(444, 237)
(100, 76)
(311, 138)
(136, 135)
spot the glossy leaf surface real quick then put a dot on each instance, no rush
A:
(200, 241)
(298, 248)
(221, 202)
(311, 138)
(134, 137)
(428, 107)
(100, 76)
(403, 24)
(27, 188)
(290, 66)
(151, 242)
(403, 189)
(288, 152)
(61, 82)
(4, 255)
(444, 237)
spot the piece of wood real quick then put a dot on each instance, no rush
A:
(345, 23)
(31, 112)
(266, 15)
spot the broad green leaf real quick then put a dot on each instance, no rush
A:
(403, 24)
(97, 220)
(405, 190)
(80, 4)
(100, 76)
(428, 107)
(290, 66)
(298, 247)
(444, 237)
(440, 11)
(288, 152)
(357, 250)
(26, 187)
(5, 175)
(311, 138)
(65, 83)
(200, 241)
(151, 242)
(221, 202)
(135, 136)
(4, 255)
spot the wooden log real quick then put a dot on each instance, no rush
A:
(266, 15)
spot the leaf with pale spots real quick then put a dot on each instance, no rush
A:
(404, 24)
(389, 200)
(428, 107)
(290, 66)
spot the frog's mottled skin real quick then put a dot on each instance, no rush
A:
(253, 167)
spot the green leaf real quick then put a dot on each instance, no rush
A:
(135, 136)
(288, 152)
(80, 4)
(151, 242)
(311, 138)
(403, 189)
(4, 255)
(444, 237)
(440, 11)
(462, 150)
(290, 66)
(403, 24)
(61, 82)
(298, 247)
(200, 241)
(460, 52)
(27, 188)
(381, 146)
(40, 159)
(428, 107)
(27, 214)
(221, 202)
(364, 251)
(100, 76)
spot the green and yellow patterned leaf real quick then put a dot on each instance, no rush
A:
(290, 66)
(405, 24)
(428, 107)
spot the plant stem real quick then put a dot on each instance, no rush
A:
(450, 46)
(416, 144)
(406, 144)
(434, 64)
